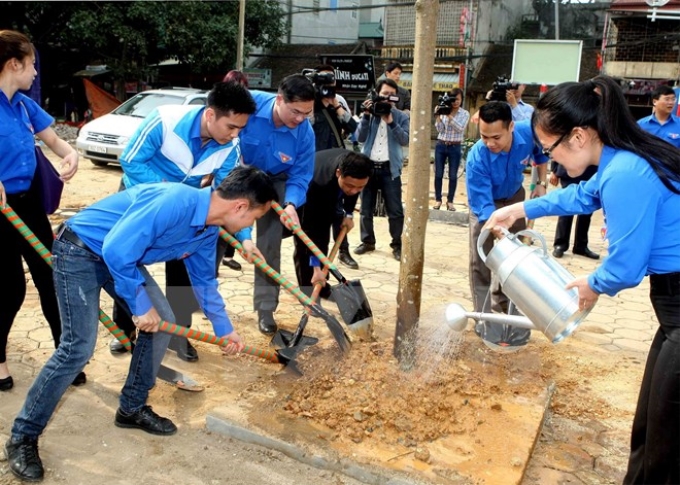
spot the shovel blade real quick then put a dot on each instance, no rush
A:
(353, 305)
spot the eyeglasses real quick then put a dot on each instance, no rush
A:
(297, 113)
(547, 151)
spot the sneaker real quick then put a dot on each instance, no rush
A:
(146, 420)
(24, 460)
(364, 248)
(346, 259)
(80, 379)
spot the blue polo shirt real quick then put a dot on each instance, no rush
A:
(20, 118)
(496, 176)
(669, 131)
(153, 223)
(643, 218)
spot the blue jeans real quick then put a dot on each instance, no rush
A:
(391, 191)
(443, 152)
(79, 277)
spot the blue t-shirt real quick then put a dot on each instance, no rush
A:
(496, 176)
(20, 119)
(669, 131)
(643, 219)
(153, 223)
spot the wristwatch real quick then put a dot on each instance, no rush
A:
(543, 183)
(286, 204)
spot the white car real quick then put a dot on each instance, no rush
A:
(104, 139)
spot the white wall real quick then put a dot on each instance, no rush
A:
(325, 26)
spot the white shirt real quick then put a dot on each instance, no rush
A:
(380, 150)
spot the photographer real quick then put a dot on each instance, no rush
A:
(450, 122)
(332, 123)
(511, 93)
(383, 130)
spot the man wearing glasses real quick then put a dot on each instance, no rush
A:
(278, 139)
(494, 174)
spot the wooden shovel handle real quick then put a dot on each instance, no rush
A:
(331, 257)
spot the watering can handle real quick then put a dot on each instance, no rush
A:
(535, 235)
(482, 239)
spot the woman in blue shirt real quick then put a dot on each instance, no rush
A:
(637, 185)
(20, 119)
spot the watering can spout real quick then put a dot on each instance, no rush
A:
(457, 317)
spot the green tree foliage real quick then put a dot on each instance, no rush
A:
(129, 37)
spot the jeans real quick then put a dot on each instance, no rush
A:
(79, 276)
(391, 190)
(443, 152)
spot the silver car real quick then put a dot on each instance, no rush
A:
(104, 139)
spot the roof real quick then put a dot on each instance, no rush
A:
(291, 58)
(372, 30)
(640, 5)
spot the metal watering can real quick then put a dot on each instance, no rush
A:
(534, 282)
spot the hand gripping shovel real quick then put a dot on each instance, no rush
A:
(40, 248)
(333, 325)
(349, 295)
(284, 338)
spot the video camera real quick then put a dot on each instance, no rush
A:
(444, 105)
(382, 104)
(324, 82)
(500, 87)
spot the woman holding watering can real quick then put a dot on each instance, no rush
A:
(20, 118)
(589, 123)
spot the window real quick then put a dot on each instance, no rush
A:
(316, 6)
(334, 6)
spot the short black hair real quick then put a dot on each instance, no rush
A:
(392, 66)
(297, 87)
(355, 165)
(389, 82)
(662, 90)
(230, 96)
(248, 182)
(494, 111)
(455, 92)
(324, 68)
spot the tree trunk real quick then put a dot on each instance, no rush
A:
(418, 188)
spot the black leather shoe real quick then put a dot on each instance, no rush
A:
(266, 322)
(396, 252)
(587, 253)
(145, 419)
(80, 379)
(232, 264)
(185, 351)
(116, 348)
(364, 248)
(558, 252)
(347, 260)
(24, 460)
(6, 384)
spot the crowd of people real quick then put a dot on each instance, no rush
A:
(191, 170)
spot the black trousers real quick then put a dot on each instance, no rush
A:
(655, 438)
(564, 223)
(13, 246)
(318, 228)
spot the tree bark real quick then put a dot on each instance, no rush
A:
(418, 187)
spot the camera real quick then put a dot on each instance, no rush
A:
(444, 104)
(324, 82)
(500, 87)
(382, 104)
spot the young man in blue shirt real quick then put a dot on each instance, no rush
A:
(495, 173)
(107, 246)
(278, 139)
(662, 122)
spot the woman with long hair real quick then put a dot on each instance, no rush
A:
(20, 119)
(637, 186)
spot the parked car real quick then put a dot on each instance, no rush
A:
(104, 139)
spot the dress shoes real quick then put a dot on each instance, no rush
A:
(24, 460)
(396, 252)
(558, 252)
(117, 348)
(185, 351)
(587, 253)
(147, 420)
(6, 384)
(348, 260)
(80, 379)
(266, 322)
(364, 248)
(232, 264)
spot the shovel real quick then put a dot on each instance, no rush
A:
(349, 295)
(314, 308)
(284, 338)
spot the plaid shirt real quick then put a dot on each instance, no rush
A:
(452, 130)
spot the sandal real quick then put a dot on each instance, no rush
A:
(188, 384)
(450, 207)
(437, 205)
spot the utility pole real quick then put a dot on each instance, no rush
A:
(557, 19)
(241, 34)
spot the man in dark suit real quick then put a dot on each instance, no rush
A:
(339, 176)
(563, 229)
